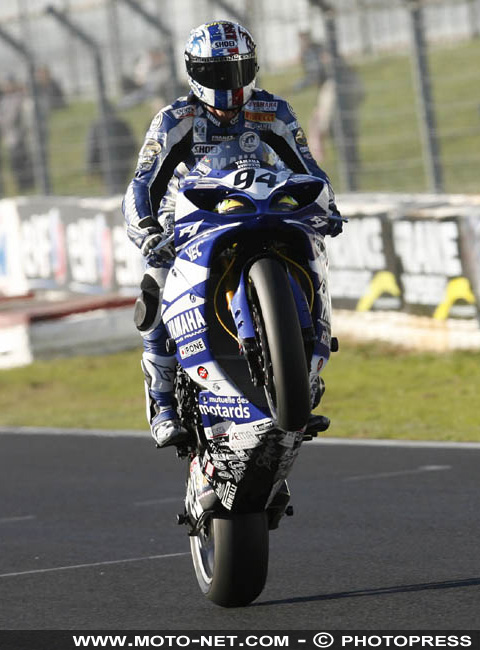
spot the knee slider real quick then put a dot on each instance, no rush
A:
(147, 304)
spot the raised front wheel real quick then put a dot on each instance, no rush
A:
(279, 336)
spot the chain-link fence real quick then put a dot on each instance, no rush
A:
(387, 89)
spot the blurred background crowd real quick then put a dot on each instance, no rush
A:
(388, 90)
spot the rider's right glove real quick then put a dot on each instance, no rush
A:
(158, 250)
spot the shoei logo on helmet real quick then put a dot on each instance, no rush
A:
(202, 372)
(224, 44)
(249, 141)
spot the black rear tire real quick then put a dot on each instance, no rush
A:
(280, 337)
(230, 556)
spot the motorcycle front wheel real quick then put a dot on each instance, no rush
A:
(279, 337)
(230, 556)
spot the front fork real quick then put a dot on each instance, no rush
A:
(240, 308)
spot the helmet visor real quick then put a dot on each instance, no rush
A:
(221, 73)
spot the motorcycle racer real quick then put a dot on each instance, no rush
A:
(223, 104)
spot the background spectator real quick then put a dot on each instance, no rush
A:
(311, 60)
(50, 92)
(15, 133)
(151, 80)
(123, 151)
(340, 88)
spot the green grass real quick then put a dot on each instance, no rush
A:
(390, 142)
(372, 392)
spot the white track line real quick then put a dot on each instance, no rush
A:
(93, 564)
(360, 442)
(416, 444)
(9, 520)
(52, 431)
(404, 472)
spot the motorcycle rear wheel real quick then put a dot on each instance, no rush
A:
(287, 385)
(230, 556)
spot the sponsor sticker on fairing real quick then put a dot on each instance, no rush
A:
(245, 439)
(238, 412)
(202, 372)
(192, 348)
(193, 252)
(229, 495)
(187, 323)
(218, 430)
(209, 469)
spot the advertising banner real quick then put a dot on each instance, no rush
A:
(431, 273)
(12, 280)
(79, 246)
(420, 260)
(362, 265)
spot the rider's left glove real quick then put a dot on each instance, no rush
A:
(158, 250)
(335, 219)
(335, 225)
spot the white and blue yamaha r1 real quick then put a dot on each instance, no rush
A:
(247, 308)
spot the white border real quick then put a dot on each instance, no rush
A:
(120, 433)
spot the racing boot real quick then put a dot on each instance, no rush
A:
(166, 428)
(316, 423)
(165, 425)
(316, 391)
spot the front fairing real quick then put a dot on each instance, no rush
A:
(239, 433)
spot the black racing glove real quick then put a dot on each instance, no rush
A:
(335, 225)
(157, 249)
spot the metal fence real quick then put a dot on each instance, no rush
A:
(400, 85)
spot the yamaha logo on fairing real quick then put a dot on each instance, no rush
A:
(190, 321)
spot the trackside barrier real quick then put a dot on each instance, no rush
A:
(66, 244)
(406, 269)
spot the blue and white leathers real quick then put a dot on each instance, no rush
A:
(182, 133)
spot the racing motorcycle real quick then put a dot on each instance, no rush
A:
(247, 308)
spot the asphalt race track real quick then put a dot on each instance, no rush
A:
(382, 538)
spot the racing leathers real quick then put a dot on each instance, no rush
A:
(178, 137)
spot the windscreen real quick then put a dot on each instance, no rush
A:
(248, 151)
